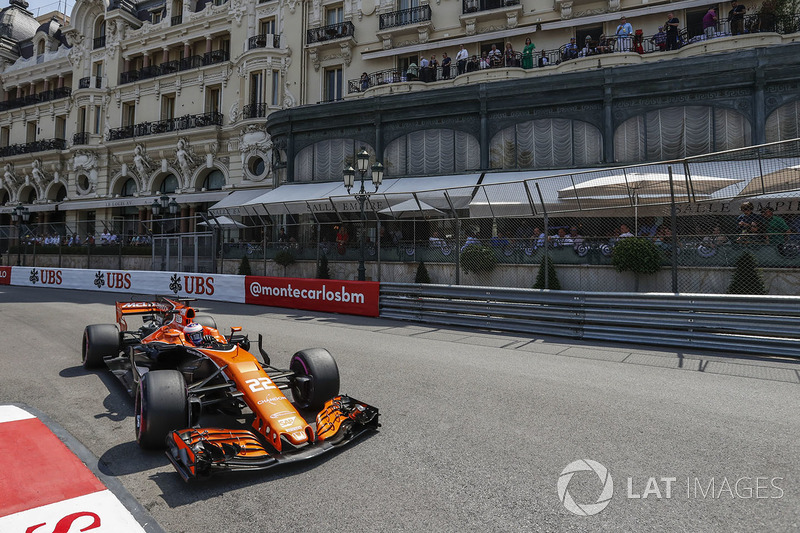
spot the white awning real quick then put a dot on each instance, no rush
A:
(135, 201)
(329, 197)
(128, 201)
(32, 208)
(232, 204)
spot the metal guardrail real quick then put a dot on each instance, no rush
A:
(762, 325)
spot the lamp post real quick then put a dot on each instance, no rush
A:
(362, 195)
(166, 205)
(19, 215)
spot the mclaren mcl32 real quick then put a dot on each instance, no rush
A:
(177, 376)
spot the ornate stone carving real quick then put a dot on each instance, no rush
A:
(142, 165)
(186, 160)
(254, 141)
(565, 8)
(10, 180)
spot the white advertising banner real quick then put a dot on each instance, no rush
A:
(220, 287)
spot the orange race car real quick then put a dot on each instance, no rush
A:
(178, 366)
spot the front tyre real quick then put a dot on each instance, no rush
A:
(99, 340)
(161, 406)
(316, 378)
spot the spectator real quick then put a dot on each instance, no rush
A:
(751, 234)
(559, 238)
(570, 50)
(537, 238)
(472, 240)
(527, 53)
(589, 47)
(495, 57)
(660, 39)
(424, 70)
(736, 17)
(710, 23)
(445, 66)
(473, 64)
(747, 217)
(509, 56)
(574, 238)
(717, 238)
(105, 236)
(412, 74)
(436, 241)
(342, 238)
(364, 82)
(624, 231)
(603, 44)
(624, 35)
(543, 61)
(461, 59)
(776, 227)
(499, 240)
(433, 66)
(282, 236)
(648, 228)
(484, 61)
(672, 31)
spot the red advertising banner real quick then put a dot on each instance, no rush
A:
(5, 275)
(328, 295)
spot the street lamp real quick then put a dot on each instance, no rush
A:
(362, 162)
(20, 215)
(166, 205)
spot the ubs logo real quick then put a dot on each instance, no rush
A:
(45, 276)
(192, 284)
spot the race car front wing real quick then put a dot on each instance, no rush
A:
(201, 452)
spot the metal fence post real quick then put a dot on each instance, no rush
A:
(674, 228)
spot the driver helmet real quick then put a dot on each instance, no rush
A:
(194, 333)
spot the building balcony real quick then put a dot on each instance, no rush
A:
(255, 111)
(31, 147)
(404, 17)
(44, 96)
(187, 63)
(165, 126)
(331, 32)
(80, 138)
(474, 6)
(266, 40)
(86, 83)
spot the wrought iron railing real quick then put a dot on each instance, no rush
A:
(44, 96)
(165, 126)
(255, 111)
(405, 17)
(187, 63)
(472, 6)
(81, 138)
(174, 21)
(84, 83)
(330, 32)
(31, 147)
(99, 42)
(267, 40)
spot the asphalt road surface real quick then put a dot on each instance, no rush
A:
(477, 429)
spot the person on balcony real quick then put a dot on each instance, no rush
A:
(660, 39)
(672, 31)
(484, 64)
(624, 36)
(570, 50)
(543, 60)
(446, 61)
(710, 23)
(527, 53)
(364, 82)
(424, 69)
(412, 74)
(461, 59)
(736, 16)
(495, 57)
(433, 68)
(509, 56)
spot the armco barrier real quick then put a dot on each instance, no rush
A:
(762, 325)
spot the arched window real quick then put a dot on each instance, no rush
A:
(214, 181)
(547, 143)
(128, 188)
(677, 132)
(169, 184)
(325, 160)
(433, 151)
(783, 123)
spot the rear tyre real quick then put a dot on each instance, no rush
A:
(207, 321)
(316, 378)
(161, 406)
(99, 340)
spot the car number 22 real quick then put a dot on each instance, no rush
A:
(260, 384)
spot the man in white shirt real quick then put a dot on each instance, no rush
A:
(461, 59)
(424, 69)
(624, 231)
